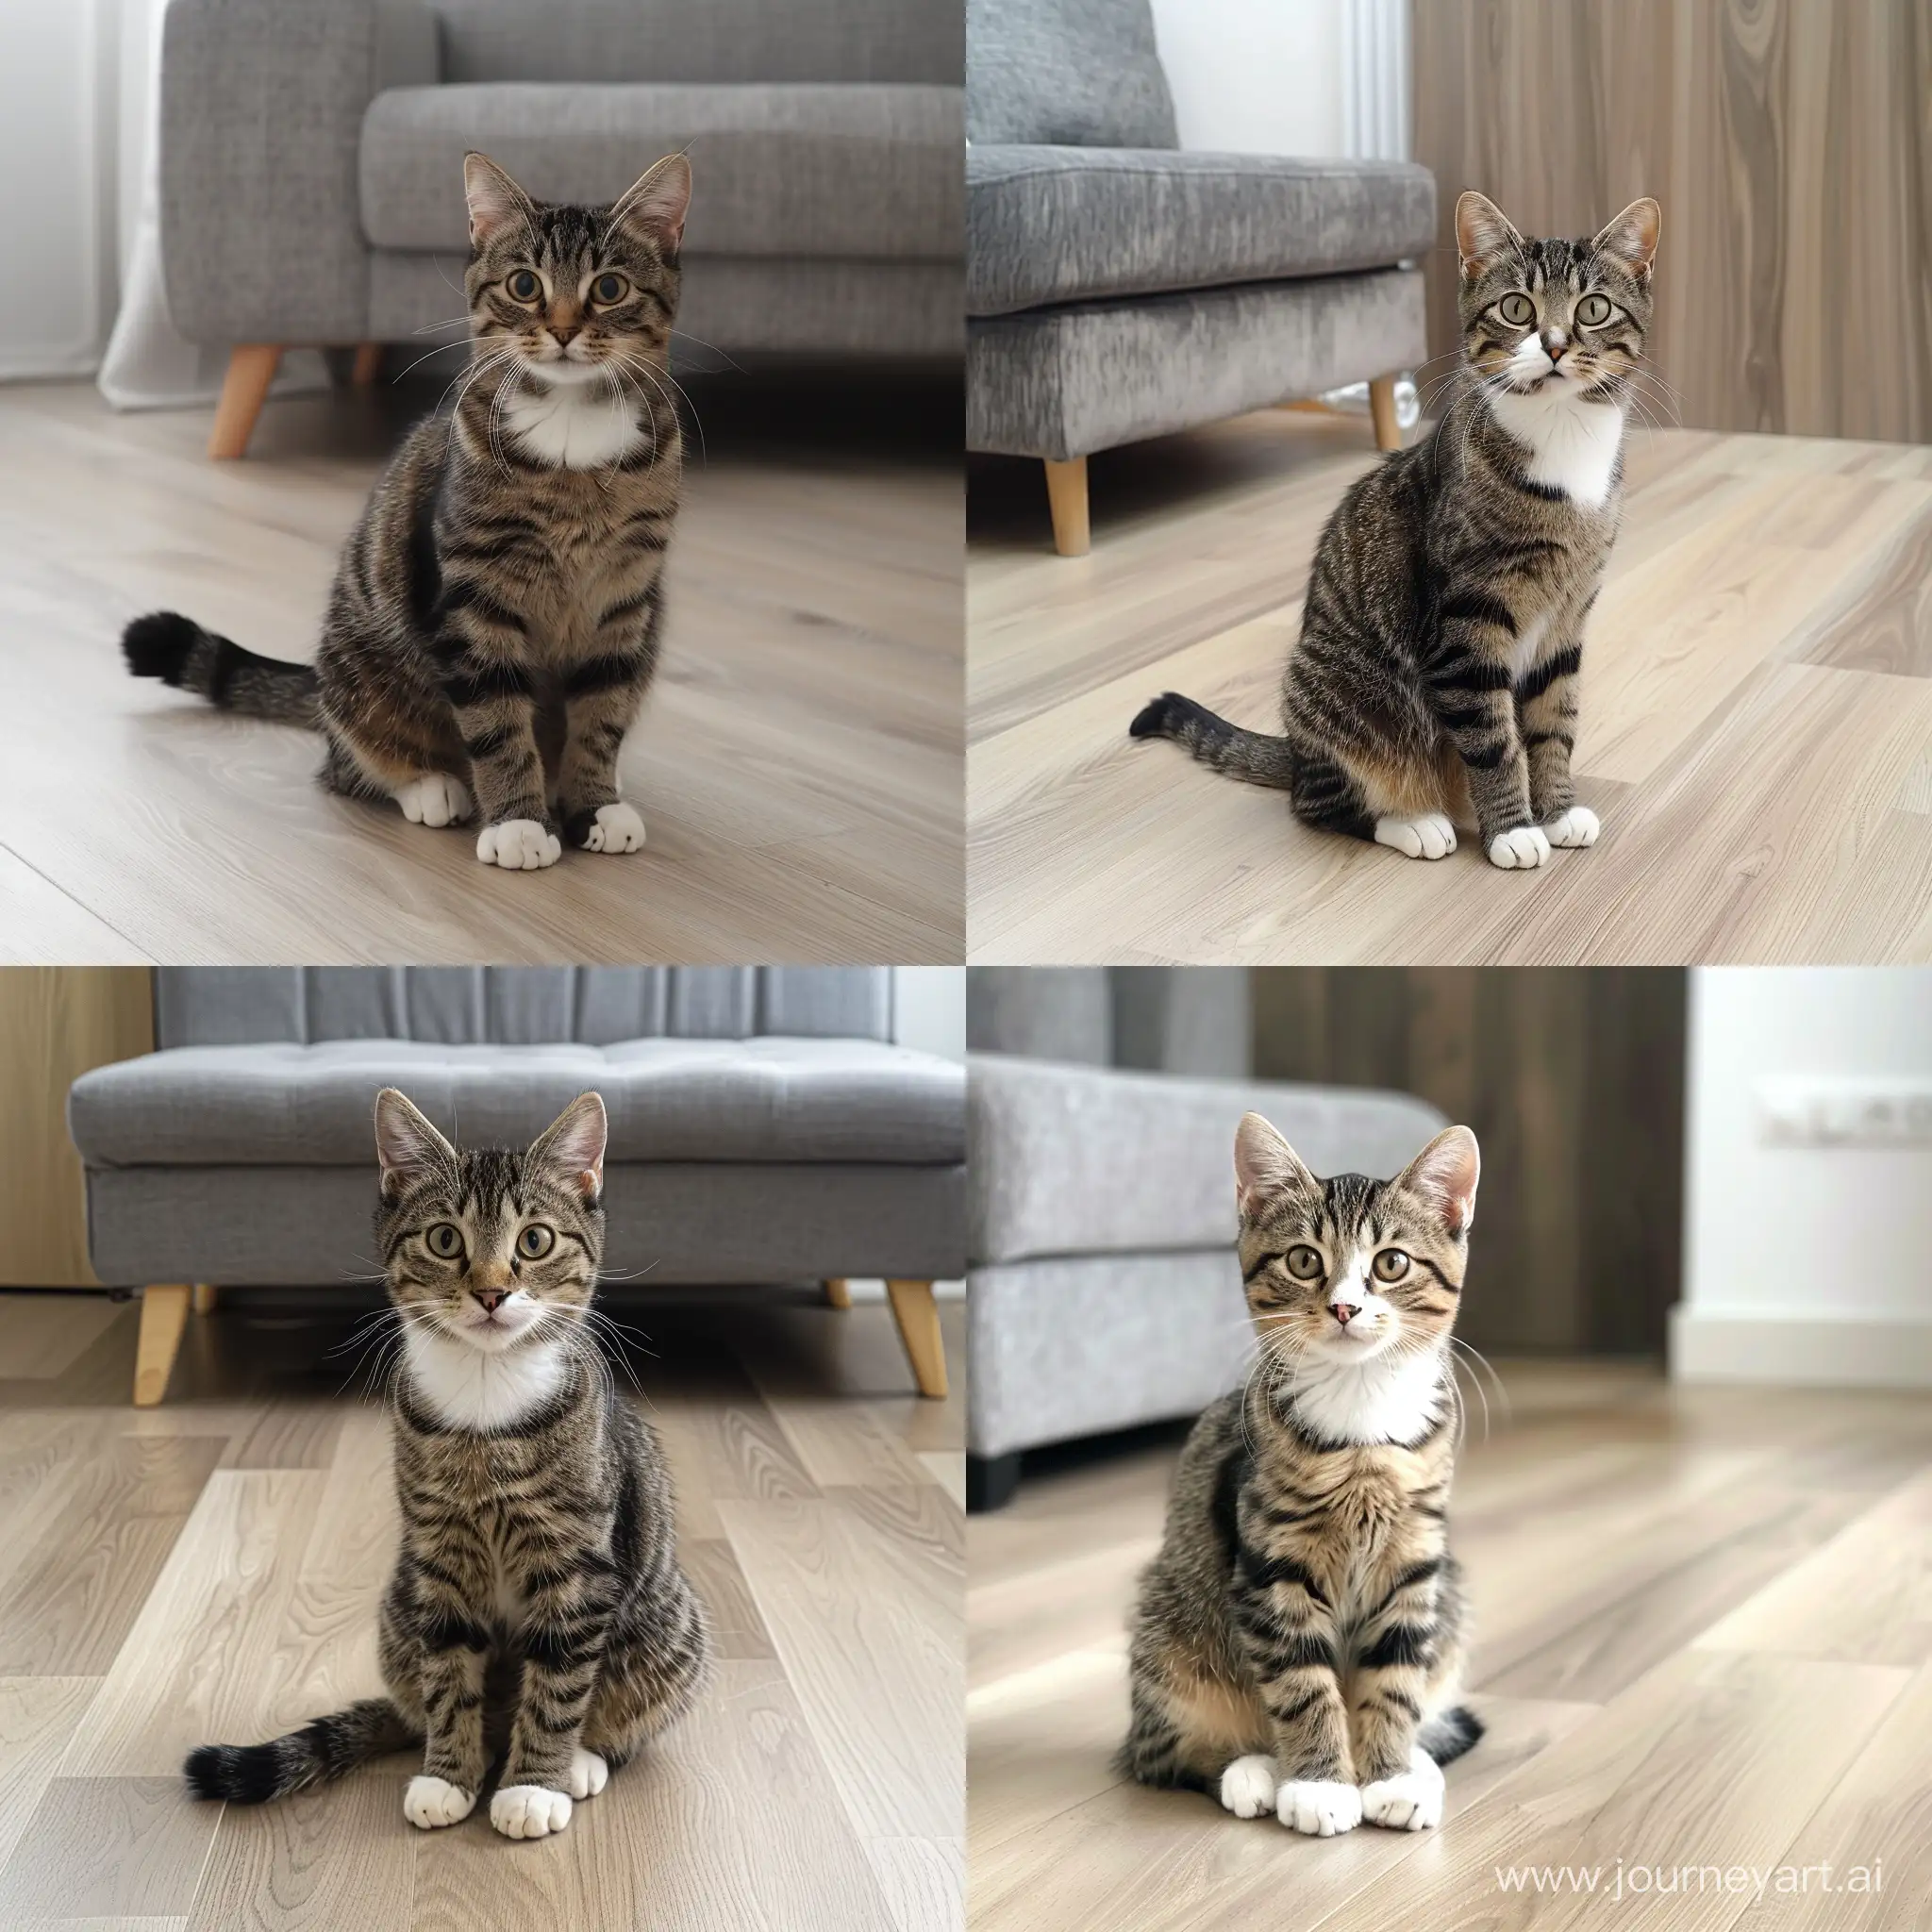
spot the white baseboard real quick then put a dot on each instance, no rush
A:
(1708, 1345)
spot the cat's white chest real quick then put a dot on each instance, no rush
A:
(584, 428)
(468, 1389)
(1572, 444)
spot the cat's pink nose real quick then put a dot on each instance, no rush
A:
(1343, 1312)
(492, 1298)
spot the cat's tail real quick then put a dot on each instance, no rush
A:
(1449, 1733)
(329, 1748)
(176, 649)
(1251, 754)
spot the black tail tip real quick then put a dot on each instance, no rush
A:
(158, 646)
(1160, 719)
(1452, 1732)
(240, 1773)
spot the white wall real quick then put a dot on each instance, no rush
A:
(1254, 76)
(929, 1009)
(52, 108)
(1288, 76)
(1803, 1263)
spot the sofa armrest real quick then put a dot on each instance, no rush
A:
(1091, 1160)
(262, 106)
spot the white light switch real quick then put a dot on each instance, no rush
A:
(1864, 1112)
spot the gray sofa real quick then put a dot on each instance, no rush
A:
(1102, 1280)
(311, 164)
(1118, 287)
(763, 1126)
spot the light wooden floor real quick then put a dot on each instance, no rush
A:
(1704, 1637)
(798, 763)
(210, 1568)
(1756, 729)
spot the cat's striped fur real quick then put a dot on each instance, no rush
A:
(1434, 682)
(1297, 1640)
(537, 1585)
(495, 617)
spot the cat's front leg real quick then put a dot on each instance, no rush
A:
(601, 699)
(1401, 1785)
(548, 1770)
(1290, 1641)
(1469, 689)
(487, 679)
(1546, 712)
(453, 1652)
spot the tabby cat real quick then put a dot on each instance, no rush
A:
(495, 615)
(538, 1581)
(1434, 677)
(1297, 1639)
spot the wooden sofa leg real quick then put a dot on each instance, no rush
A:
(163, 1315)
(368, 364)
(208, 1297)
(838, 1293)
(1382, 408)
(1066, 496)
(251, 368)
(918, 1317)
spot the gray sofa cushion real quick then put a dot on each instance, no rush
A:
(1066, 224)
(1074, 1161)
(1085, 72)
(1077, 1345)
(666, 1222)
(670, 1100)
(866, 173)
(1064, 382)
(751, 305)
(516, 1006)
(703, 40)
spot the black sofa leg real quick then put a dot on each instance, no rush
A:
(990, 1480)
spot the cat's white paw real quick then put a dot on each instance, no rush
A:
(435, 800)
(1247, 1787)
(518, 845)
(1318, 1807)
(528, 1811)
(620, 827)
(431, 1802)
(1518, 851)
(1409, 1801)
(1429, 837)
(588, 1773)
(1576, 826)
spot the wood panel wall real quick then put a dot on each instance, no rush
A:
(1572, 1080)
(1790, 142)
(56, 1021)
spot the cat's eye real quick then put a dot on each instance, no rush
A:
(1594, 312)
(1305, 1264)
(1392, 1264)
(444, 1241)
(1519, 311)
(536, 1241)
(608, 287)
(524, 285)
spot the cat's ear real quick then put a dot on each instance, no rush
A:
(655, 203)
(494, 199)
(572, 1145)
(406, 1143)
(1265, 1166)
(1483, 232)
(1632, 237)
(1444, 1173)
